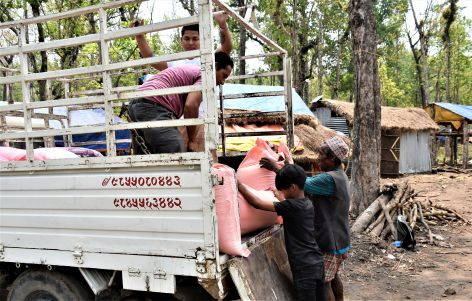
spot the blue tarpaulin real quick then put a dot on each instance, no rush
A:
(263, 104)
(91, 117)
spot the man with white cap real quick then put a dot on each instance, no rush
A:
(329, 193)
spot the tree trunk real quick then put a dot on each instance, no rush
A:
(35, 8)
(423, 70)
(320, 53)
(449, 15)
(366, 153)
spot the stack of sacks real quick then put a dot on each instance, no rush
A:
(229, 233)
(261, 181)
(16, 154)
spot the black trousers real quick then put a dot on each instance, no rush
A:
(309, 285)
(158, 140)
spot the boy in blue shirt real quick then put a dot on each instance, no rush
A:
(305, 258)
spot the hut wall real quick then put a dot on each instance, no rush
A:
(323, 115)
(414, 152)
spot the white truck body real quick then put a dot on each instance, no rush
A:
(150, 222)
(150, 217)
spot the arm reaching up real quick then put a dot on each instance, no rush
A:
(225, 35)
(254, 200)
(269, 164)
(144, 47)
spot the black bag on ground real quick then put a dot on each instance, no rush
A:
(404, 234)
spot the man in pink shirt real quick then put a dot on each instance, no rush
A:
(167, 107)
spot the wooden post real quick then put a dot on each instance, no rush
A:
(222, 121)
(288, 101)
(454, 150)
(465, 144)
(48, 141)
(447, 145)
(107, 85)
(433, 144)
(26, 93)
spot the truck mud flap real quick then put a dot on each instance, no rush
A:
(265, 274)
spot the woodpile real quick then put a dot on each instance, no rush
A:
(378, 220)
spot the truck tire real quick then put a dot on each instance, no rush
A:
(48, 286)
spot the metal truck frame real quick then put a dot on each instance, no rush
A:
(150, 217)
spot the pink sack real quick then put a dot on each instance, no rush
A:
(227, 213)
(255, 154)
(261, 180)
(16, 154)
(12, 154)
(53, 153)
(252, 219)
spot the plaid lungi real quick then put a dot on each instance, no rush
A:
(331, 265)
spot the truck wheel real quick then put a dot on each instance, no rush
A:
(47, 286)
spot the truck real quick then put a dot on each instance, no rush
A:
(120, 227)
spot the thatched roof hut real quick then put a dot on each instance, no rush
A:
(405, 134)
(310, 133)
(401, 119)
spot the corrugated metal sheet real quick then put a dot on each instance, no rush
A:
(415, 155)
(155, 211)
(462, 110)
(338, 124)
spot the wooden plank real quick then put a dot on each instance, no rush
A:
(69, 14)
(265, 274)
(102, 128)
(175, 160)
(99, 99)
(465, 143)
(106, 86)
(93, 38)
(100, 68)
(246, 25)
(25, 91)
(207, 58)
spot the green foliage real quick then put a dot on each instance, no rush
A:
(326, 20)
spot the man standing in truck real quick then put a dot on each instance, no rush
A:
(174, 106)
(189, 40)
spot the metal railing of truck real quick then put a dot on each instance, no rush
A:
(111, 97)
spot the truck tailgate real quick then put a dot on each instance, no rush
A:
(143, 211)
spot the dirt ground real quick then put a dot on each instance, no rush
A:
(433, 272)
